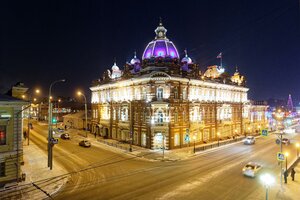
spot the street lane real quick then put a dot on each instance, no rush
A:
(213, 175)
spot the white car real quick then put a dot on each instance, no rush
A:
(85, 143)
(249, 140)
(251, 169)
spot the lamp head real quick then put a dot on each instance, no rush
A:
(286, 154)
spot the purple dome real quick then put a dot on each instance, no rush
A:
(161, 46)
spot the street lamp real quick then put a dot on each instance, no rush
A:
(218, 134)
(85, 108)
(297, 147)
(29, 110)
(50, 133)
(286, 161)
(194, 138)
(267, 180)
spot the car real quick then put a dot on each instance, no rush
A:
(65, 136)
(285, 141)
(85, 143)
(249, 140)
(56, 134)
(61, 130)
(251, 169)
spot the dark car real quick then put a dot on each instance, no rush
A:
(285, 141)
(65, 136)
(85, 143)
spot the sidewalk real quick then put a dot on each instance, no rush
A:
(149, 154)
(40, 181)
(292, 188)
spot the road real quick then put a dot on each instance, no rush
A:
(97, 173)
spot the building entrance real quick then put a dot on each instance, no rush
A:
(158, 141)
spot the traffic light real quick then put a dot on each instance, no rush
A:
(54, 120)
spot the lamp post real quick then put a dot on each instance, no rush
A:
(194, 138)
(297, 147)
(85, 108)
(267, 180)
(218, 134)
(50, 134)
(37, 91)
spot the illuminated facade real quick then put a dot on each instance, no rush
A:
(163, 101)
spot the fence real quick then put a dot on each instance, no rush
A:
(114, 144)
(217, 144)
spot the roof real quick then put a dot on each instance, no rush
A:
(11, 99)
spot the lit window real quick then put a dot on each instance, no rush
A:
(160, 117)
(148, 54)
(175, 93)
(172, 54)
(2, 135)
(160, 92)
(176, 117)
(184, 93)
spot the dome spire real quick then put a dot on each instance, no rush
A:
(160, 31)
(185, 51)
(186, 58)
(135, 60)
(160, 21)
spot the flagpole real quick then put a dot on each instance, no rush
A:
(221, 61)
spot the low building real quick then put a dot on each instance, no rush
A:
(77, 120)
(11, 149)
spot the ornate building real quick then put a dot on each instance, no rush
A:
(165, 101)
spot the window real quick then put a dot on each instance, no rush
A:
(2, 169)
(160, 92)
(124, 114)
(114, 114)
(184, 93)
(136, 117)
(175, 93)
(2, 135)
(144, 116)
(176, 117)
(160, 117)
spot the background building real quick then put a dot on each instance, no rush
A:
(165, 101)
(11, 149)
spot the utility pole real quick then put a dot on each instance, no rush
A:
(131, 126)
(50, 133)
(163, 146)
(85, 111)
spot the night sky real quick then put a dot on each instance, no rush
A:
(44, 41)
